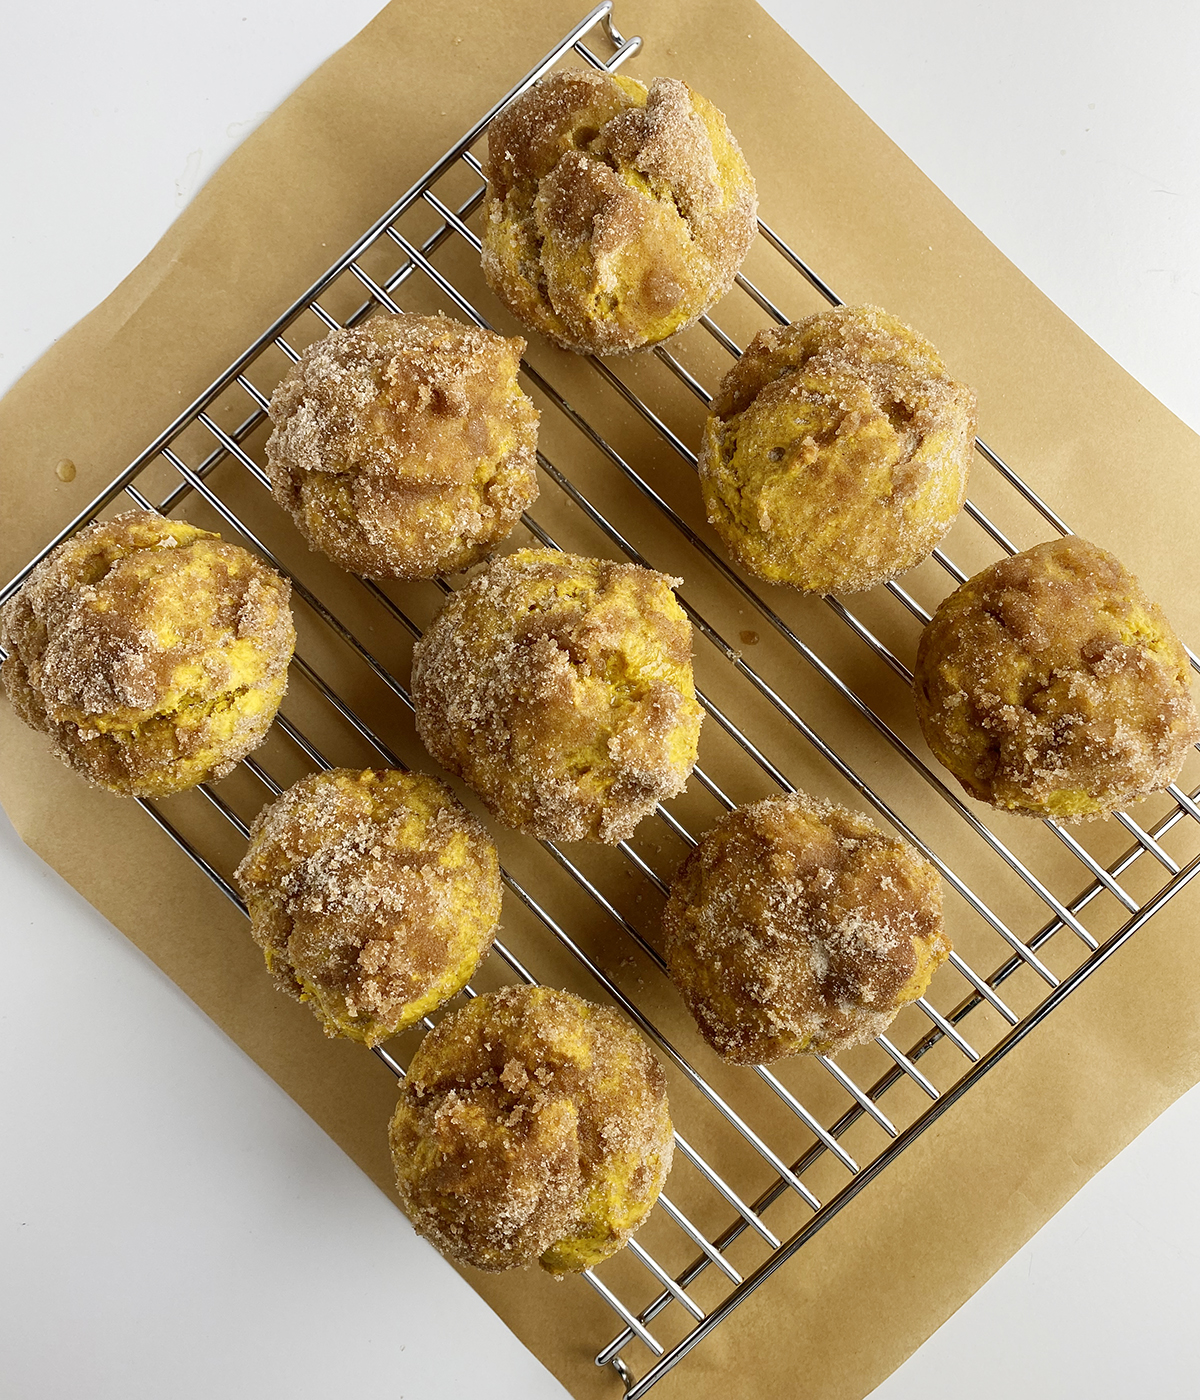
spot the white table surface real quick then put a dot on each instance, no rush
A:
(172, 1226)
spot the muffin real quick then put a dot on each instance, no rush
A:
(560, 689)
(1050, 685)
(404, 447)
(153, 654)
(615, 216)
(532, 1126)
(373, 896)
(796, 926)
(837, 452)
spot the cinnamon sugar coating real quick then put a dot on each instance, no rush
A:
(616, 215)
(1050, 685)
(796, 926)
(404, 447)
(560, 688)
(532, 1126)
(373, 896)
(837, 451)
(152, 653)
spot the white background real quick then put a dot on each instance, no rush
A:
(171, 1225)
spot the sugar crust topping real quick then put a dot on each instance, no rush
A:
(152, 653)
(1050, 685)
(533, 1126)
(797, 926)
(837, 451)
(616, 215)
(560, 688)
(405, 447)
(373, 895)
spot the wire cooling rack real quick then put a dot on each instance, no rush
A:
(764, 1158)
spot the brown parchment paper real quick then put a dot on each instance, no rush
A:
(898, 1261)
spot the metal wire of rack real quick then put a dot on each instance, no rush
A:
(787, 1149)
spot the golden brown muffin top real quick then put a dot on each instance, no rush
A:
(1050, 685)
(373, 895)
(404, 447)
(560, 688)
(837, 451)
(140, 615)
(532, 1125)
(592, 161)
(797, 925)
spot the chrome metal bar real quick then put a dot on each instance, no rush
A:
(727, 343)
(948, 1030)
(189, 850)
(699, 1239)
(394, 1065)
(225, 810)
(909, 602)
(679, 1294)
(331, 323)
(749, 1216)
(957, 574)
(624, 1374)
(761, 300)
(687, 379)
(1082, 854)
(1145, 840)
(799, 264)
(263, 777)
(1026, 491)
(1185, 802)
(985, 990)
(863, 1100)
(812, 1123)
(993, 530)
(622, 1311)
(907, 1066)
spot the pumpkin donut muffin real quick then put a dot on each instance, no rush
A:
(532, 1126)
(373, 896)
(796, 926)
(837, 452)
(153, 654)
(560, 688)
(616, 215)
(404, 447)
(1050, 685)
